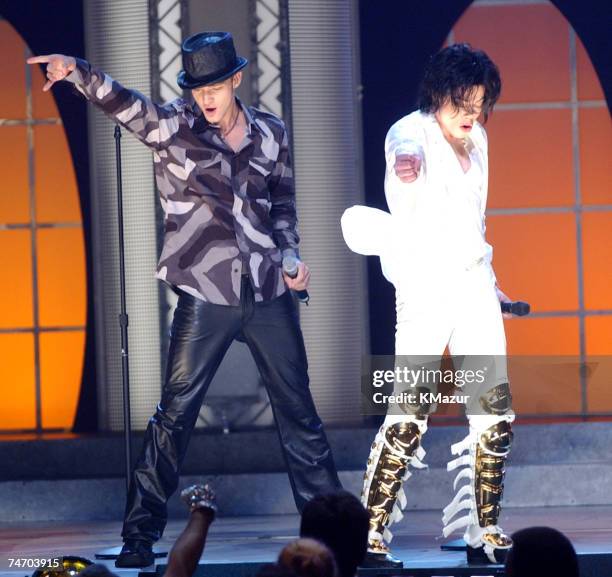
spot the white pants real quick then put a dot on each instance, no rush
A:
(460, 310)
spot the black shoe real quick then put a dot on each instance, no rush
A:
(136, 554)
(380, 561)
(477, 556)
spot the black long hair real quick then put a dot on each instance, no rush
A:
(453, 73)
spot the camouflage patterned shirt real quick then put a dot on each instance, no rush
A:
(225, 212)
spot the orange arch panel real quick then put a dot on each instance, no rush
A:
(549, 194)
(43, 275)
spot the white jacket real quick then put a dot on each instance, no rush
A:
(437, 223)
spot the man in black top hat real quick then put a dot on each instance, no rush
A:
(225, 179)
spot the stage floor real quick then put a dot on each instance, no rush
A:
(240, 540)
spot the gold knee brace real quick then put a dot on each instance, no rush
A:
(481, 460)
(491, 453)
(497, 401)
(395, 447)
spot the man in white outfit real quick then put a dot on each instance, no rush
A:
(433, 241)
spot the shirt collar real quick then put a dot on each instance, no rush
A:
(249, 116)
(202, 124)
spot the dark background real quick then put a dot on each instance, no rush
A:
(396, 39)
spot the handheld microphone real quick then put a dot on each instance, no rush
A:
(290, 268)
(518, 308)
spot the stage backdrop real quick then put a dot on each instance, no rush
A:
(324, 38)
(549, 214)
(43, 288)
(550, 204)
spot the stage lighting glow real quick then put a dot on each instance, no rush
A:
(68, 566)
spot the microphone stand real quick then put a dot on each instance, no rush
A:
(113, 552)
(123, 318)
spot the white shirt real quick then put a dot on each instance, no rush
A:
(441, 215)
(437, 223)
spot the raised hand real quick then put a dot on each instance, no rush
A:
(407, 166)
(58, 67)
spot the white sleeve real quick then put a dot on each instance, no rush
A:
(403, 136)
(483, 145)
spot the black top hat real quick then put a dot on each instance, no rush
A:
(208, 57)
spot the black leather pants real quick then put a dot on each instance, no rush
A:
(201, 334)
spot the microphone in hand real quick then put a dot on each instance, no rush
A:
(518, 308)
(291, 269)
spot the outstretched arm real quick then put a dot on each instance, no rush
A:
(187, 550)
(152, 124)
